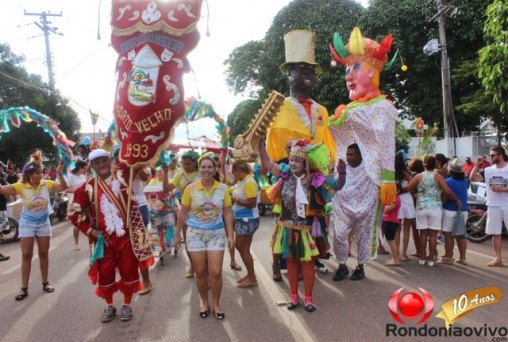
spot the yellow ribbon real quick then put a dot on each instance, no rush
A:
(464, 303)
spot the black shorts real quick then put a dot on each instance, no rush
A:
(389, 229)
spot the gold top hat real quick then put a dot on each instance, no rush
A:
(300, 48)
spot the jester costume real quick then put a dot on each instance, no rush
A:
(368, 121)
(122, 244)
(302, 201)
(370, 125)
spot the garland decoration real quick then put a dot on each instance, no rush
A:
(14, 116)
(198, 109)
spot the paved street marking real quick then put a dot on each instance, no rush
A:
(295, 324)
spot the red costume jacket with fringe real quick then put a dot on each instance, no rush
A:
(103, 205)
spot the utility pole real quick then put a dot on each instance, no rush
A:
(44, 26)
(449, 125)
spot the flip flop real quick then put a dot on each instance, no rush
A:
(404, 258)
(241, 280)
(146, 290)
(246, 284)
(495, 263)
(236, 268)
(392, 263)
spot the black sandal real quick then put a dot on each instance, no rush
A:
(219, 315)
(23, 294)
(205, 313)
(47, 288)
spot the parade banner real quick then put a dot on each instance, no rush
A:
(152, 39)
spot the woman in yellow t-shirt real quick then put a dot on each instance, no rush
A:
(205, 210)
(34, 221)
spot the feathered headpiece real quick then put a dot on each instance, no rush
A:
(299, 149)
(362, 49)
(35, 161)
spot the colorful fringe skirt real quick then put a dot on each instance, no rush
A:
(295, 242)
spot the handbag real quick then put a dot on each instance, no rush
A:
(459, 228)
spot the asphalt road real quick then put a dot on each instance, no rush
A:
(347, 310)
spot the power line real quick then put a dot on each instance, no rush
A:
(78, 64)
(46, 29)
(45, 90)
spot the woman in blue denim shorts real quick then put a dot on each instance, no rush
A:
(34, 221)
(206, 210)
(245, 209)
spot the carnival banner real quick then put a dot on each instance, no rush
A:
(152, 39)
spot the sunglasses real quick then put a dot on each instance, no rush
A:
(493, 155)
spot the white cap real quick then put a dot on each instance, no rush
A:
(97, 153)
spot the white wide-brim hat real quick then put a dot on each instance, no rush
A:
(97, 153)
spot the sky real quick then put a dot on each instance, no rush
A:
(84, 66)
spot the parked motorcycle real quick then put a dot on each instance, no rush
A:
(476, 223)
(59, 203)
(13, 212)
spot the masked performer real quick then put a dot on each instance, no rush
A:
(300, 117)
(102, 212)
(369, 122)
(302, 191)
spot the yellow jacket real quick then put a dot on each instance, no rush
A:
(288, 125)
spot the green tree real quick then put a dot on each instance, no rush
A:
(477, 103)
(239, 120)
(18, 88)
(253, 68)
(402, 137)
(493, 59)
(418, 91)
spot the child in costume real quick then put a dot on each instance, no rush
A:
(391, 227)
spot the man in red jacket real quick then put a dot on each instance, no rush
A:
(101, 211)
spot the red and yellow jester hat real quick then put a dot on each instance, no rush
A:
(362, 49)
